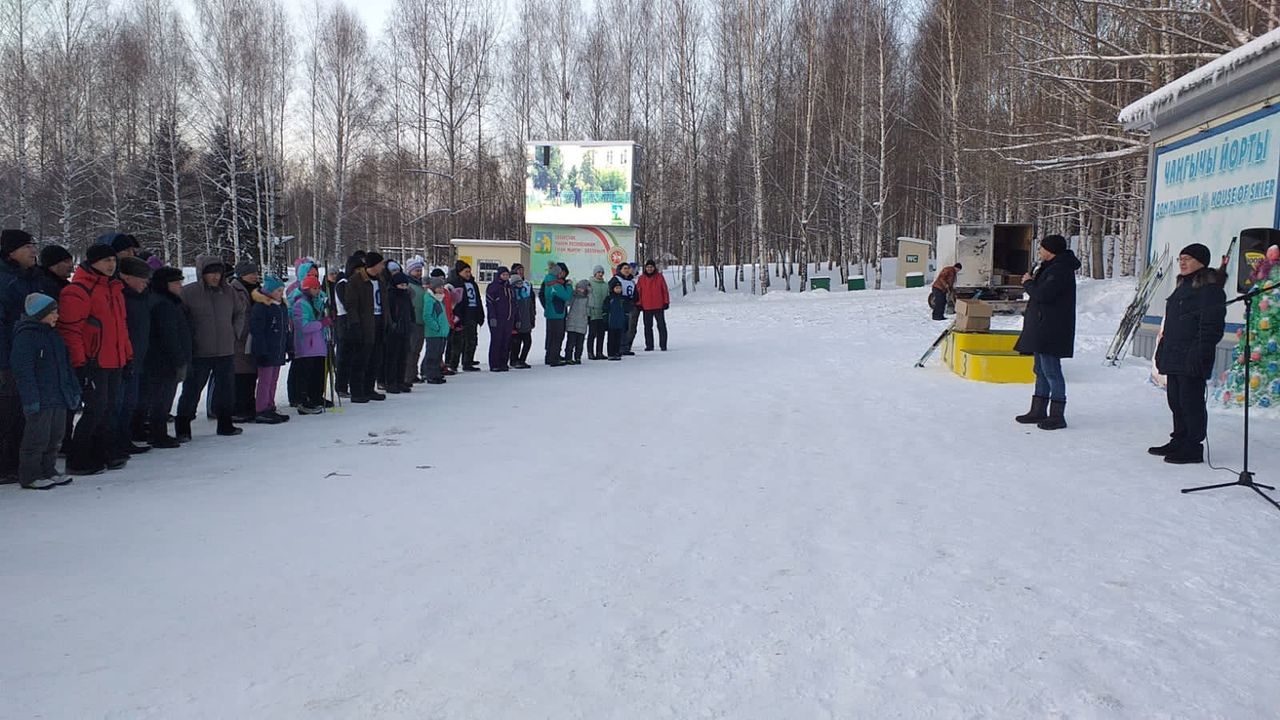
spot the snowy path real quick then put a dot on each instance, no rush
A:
(810, 528)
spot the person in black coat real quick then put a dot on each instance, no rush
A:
(469, 316)
(1194, 320)
(1049, 330)
(168, 353)
(136, 275)
(17, 280)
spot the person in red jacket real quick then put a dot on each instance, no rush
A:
(653, 297)
(91, 320)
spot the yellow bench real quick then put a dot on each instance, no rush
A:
(987, 357)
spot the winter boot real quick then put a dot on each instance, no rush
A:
(1163, 450)
(1039, 406)
(182, 429)
(1186, 454)
(1055, 421)
(226, 428)
(162, 441)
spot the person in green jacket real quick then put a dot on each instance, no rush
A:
(435, 327)
(597, 326)
(556, 294)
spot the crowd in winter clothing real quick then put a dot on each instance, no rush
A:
(117, 338)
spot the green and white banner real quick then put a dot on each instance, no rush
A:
(581, 248)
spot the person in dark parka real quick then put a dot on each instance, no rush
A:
(500, 300)
(49, 390)
(168, 353)
(54, 272)
(136, 276)
(17, 280)
(1194, 320)
(1049, 330)
(362, 330)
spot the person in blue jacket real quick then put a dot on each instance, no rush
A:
(616, 310)
(269, 332)
(48, 389)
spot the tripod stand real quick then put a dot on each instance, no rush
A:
(1245, 478)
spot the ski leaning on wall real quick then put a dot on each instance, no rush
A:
(1150, 280)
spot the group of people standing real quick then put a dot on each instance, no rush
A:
(1194, 321)
(116, 338)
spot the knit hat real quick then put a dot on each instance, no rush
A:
(1055, 244)
(271, 284)
(584, 285)
(52, 255)
(436, 282)
(154, 262)
(393, 267)
(372, 258)
(1197, 251)
(417, 262)
(437, 272)
(124, 241)
(96, 253)
(399, 279)
(649, 262)
(11, 240)
(248, 267)
(134, 267)
(503, 271)
(597, 269)
(310, 283)
(38, 306)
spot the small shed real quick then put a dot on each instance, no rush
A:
(913, 257)
(486, 256)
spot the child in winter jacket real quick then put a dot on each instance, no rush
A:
(269, 333)
(435, 325)
(526, 318)
(576, 322)
(596, 324)
(310, 346)
(616, 309)
(48, 388)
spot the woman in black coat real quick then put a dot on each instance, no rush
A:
(1194, 320)
(1049, 330)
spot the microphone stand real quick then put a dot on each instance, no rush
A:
(1245, 478)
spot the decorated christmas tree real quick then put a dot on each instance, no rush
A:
(1264, 342)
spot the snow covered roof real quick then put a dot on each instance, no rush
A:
(1227, 69)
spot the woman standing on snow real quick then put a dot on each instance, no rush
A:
(1049, 330)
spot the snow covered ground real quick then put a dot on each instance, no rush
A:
(780, 518)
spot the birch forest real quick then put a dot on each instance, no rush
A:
(797, 133)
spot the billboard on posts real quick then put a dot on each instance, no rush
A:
(578, 184)
(581, 248)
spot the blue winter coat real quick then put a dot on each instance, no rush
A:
(616, 311)
(15, 285)
(42, 368)
(501, 306)
(269, 328)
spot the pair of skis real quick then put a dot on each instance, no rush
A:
(936, 343)
(1148, 283)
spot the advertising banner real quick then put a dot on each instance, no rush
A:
(1208, 189)
(578, 184)
(581, 248)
